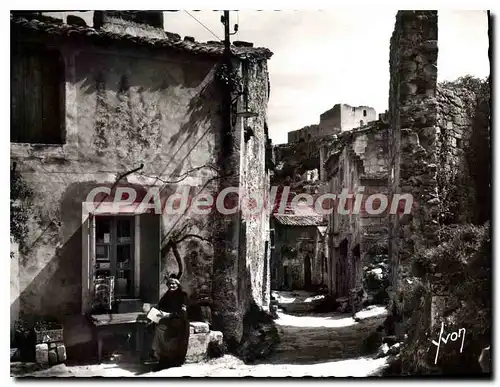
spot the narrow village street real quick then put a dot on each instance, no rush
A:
(312, 344)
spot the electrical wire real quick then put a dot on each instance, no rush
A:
(204, 26)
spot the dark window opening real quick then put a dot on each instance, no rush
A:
(353, 109)
(364, 113)
(37, 96)
(459, 143)
(115, 253)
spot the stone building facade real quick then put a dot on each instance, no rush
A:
(357, 164)
(297, 258)
(126, 105)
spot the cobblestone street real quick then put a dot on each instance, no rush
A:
(319, 345)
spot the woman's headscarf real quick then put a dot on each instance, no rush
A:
(173, 279)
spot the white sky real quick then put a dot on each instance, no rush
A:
(326, 57)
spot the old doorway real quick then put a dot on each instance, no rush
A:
(307, 272)
(342, 272)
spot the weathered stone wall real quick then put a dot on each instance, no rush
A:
(330, 121)
(241, 279)
(455, 110)
(412, 134)
(357, 162)
(255, 181)
(123, 108)
(431, 128)
(304, 134)
(296, 158)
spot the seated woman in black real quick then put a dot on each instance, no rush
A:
(171, 335)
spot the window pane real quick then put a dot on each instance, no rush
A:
(102, 252)
(123, 285)
(102, 232)
(123, 256)
(123, 229)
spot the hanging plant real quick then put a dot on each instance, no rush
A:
(229, 78)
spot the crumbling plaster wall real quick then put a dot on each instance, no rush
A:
(123, 108)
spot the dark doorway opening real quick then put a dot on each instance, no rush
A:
(307, 272)
(342, 272)
(285, 277)
(356, 257)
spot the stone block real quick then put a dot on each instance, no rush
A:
(408, 88)
(216, 344)
(61, 352)
(42, 354)
(53, 356)
(197, 347)
(216, 337)
(430, 45)
(198, 327)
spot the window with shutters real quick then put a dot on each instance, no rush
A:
(37, 95)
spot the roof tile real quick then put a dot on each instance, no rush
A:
(22, 24)
(299, 220)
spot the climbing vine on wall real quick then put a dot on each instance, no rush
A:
(134, 122)
(455, 189)
(229, 78)
(21, 196)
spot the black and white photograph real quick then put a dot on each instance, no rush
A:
(260, 193)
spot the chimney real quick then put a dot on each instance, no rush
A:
(148, 24)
